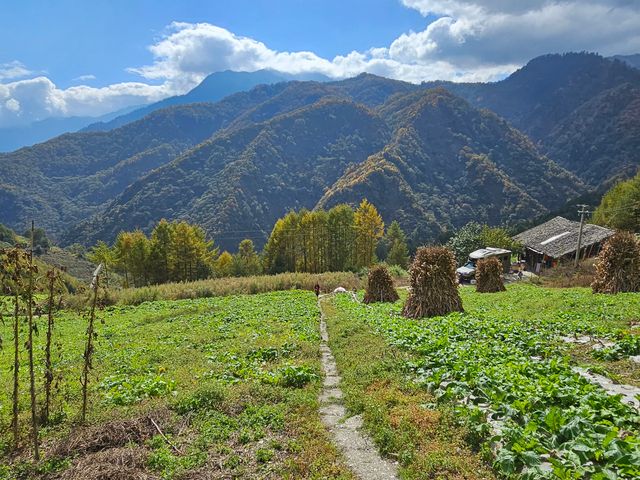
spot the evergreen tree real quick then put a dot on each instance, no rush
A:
(101, 253)
(246, 262)
(139, 258)
(122, 252)
(224, 265)
(191, 254)
(159, 253)
(341, 238)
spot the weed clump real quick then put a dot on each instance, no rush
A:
(489, 276)
(380, 286)
(618, 265)
(434, 289)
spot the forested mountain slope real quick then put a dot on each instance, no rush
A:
(213, 88)
(600, 140)
(239, 183)
(64, 180)
(556, 93)
(449, 163)
(446, 163)
(67, 179)
(426, 157)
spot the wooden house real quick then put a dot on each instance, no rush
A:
(557, 239)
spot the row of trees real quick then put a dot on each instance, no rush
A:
(306, 241)
(174, 252)
(336, 240)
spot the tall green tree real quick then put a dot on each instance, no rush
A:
(160, 253)
(101, 253)
(341, 238)
(191, 254)
(620, 206)
(223, 266)
(398, 250)
(139, 258)
(122, 252)
(246, 262)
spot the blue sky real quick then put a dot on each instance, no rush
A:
(69, 57)
(114, 35)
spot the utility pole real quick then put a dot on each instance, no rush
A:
(582, 213)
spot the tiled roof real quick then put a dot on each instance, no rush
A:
(559, 236)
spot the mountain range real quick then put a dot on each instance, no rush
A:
(433, 156)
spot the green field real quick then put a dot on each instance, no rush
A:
(232, 384)
(231, 381)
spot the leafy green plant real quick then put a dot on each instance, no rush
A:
(126, 389)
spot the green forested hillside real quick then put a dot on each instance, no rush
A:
(600, 141)
(65, 180)
(580, 108)
(448, 164)
(239, 183)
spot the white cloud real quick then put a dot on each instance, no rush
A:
(25, 101)
(495, 32)
(12, 105)
(470, 40)
(191, 51)
(11, 70)
(84, 78)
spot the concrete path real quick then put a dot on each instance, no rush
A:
(629, 392)
(359, 451)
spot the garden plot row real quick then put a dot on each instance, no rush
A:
(552, 423)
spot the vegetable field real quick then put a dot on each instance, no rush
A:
(506, 373)
(226, 385)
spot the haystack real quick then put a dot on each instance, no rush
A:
(380, 286)
(618, 265)
(434, 289)
(489, 276)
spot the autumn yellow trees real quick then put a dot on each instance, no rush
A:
(319, 241)
(175, 251)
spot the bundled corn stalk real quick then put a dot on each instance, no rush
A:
(489, 276)
(380, 286)
(618, 265)
(434, 289)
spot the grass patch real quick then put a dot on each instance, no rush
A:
(218, 287)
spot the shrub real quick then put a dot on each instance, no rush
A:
(489, 276)
(434, 289)
(380, 286)
(618, 265)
